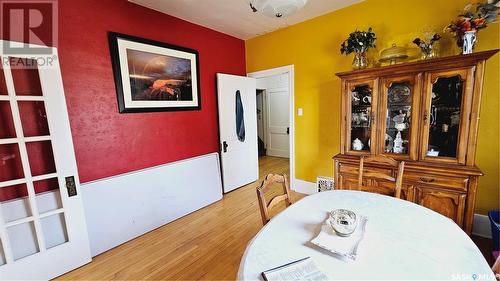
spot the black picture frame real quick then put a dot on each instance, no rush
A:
(124, 95)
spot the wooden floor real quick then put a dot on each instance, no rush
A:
(207, 244)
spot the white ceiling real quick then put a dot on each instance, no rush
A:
(234, 17)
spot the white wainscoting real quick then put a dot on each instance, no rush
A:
(123, 207)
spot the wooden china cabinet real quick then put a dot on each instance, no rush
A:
(425, 113)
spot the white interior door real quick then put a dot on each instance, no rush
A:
(42, 225)
(278, 122)
(239, 158)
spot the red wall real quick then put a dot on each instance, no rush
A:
(108, 143)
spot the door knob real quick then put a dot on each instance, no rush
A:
(71, 186)
(224, 146)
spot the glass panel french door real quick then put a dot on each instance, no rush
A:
(42, 227)
(361, 104)
(399, 103)
(447, 109)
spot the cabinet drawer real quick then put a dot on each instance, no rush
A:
(353, 171)
(350, 170)
(459, 183)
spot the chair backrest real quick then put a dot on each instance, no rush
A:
(396, 168)
(270, 180)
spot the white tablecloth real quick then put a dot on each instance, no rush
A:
(403, 241)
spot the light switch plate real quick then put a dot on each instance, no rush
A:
(300, 112)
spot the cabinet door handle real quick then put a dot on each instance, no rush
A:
(427, 180)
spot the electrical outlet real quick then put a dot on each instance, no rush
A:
(325, 183)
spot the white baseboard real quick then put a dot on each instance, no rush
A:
(303, 186)
(277, 153)
(481, 226)
(123, 207)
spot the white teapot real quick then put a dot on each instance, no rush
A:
(357, 144)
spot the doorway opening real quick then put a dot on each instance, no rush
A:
(275, 110)
(261, 123)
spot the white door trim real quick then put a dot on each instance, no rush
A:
(287, 69)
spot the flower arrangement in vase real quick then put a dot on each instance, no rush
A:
(359, 42)
(427, 46)
(465, 27)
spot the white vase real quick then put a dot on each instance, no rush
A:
(398, 143)
(469, 40)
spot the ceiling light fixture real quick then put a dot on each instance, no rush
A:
(276, 8)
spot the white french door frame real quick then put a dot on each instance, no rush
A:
(76, 251)
(288, 69)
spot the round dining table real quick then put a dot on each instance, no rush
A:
(402, 241)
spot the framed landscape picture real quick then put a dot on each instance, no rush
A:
(153, 76)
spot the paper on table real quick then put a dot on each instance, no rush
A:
(304, 269)
(343, 246)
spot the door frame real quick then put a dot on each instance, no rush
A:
(264, 117)
(287, 69)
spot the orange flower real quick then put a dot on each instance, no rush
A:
(466, 25)
(479, 22)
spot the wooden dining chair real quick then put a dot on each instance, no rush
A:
(277, 197)
(396, 168)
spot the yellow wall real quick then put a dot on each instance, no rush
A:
(313, 47)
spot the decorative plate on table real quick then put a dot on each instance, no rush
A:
(399, 93)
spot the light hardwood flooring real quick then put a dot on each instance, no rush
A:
(205, 245)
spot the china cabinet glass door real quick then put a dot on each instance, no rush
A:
(447, 109)
(361, 102)
(398, 117)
